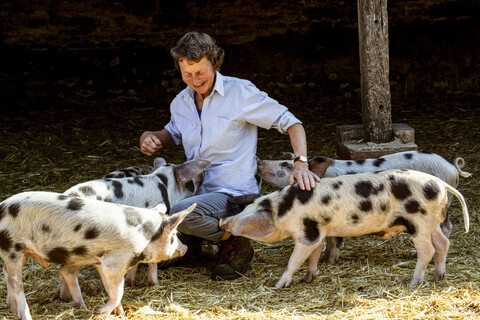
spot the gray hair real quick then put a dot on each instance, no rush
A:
(194, 46)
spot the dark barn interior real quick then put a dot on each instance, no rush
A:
(81, 80)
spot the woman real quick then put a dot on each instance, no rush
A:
(216, 118)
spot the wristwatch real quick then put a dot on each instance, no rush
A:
(301, 158)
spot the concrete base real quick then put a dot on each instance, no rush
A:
(350, 144)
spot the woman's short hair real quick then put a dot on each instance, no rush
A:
(194, 46)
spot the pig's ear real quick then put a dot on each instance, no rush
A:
(288, 156)
(190, 169)
(175, 219)
(161, 208)
(319, 165)
(158, 162)
(255, 226)
(245, 199)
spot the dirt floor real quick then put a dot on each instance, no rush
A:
(54, 149)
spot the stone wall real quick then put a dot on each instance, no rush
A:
(73, 52)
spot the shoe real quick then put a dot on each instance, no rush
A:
(234, 259)
(194, 250)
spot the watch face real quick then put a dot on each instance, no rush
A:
(301, 158)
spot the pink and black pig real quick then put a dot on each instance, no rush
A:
(74, 232)
(277, 172)
(384, 203)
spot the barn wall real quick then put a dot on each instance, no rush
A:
(62, 53)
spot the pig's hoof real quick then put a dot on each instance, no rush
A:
(309, 277)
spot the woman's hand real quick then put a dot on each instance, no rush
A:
(305, 178)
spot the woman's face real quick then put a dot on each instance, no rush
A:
(199, 76)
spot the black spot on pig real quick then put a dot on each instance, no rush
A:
(12, 256)
(158, 233)
(351, 172)
(164, 192)
(14, 209)
(138, 181)
(293, 193)
(148, 230)
(400, 221)
(117, 189)
(63, 197)
(80, 251)
(58, 255)
(355, 218)
(378, 162)
(364, 188)
(408, 156)
(190, 186)
(400, 189)
(132, 217)
(326, 219)
(412, 206)
(310, 229)
(385, 207)
(75, 204)
(326, 199)
(91, 233)
(365, 205)
(163, 178)
(147, 204)
(349, 163)
(265, 205)
(77, 227)
(5, 240)
(136, 259)
(19, 246)
(281, 173)
(46, 228)
(87, 191)
(337, 185)
(360, 162)
(431, 190)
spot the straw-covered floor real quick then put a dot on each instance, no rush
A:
(52, 150)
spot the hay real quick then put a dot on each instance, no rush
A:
(54, 149)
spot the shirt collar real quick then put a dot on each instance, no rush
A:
(218, 86)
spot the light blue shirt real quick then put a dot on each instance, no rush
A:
(226, 133)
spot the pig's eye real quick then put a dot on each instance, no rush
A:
(285, 165)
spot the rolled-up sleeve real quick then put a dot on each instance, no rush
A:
(285, 121)
(174, 132)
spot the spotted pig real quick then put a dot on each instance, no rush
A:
(384, 203)
(74, 232)
(129, 172)
(277, 172)
(165, 185)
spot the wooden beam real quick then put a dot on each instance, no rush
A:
(374, 70)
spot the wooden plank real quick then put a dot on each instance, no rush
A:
(374, 70)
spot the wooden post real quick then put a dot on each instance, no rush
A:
(374, 70)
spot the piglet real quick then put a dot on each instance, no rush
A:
(164, 186)
(384, 203)
(74, 232)
(277, 172)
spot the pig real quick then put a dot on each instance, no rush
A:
(56, 228)
(127, 172)
(383, 203)
(277, 172)
(165, 185)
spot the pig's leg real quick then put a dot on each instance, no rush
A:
(69, 287)
(152, 274)
(441, 244)
(298, 257)
(15, 294)
(113, 281)
(130, 276)
(332, 252)
(313, 262)
(425, 251)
